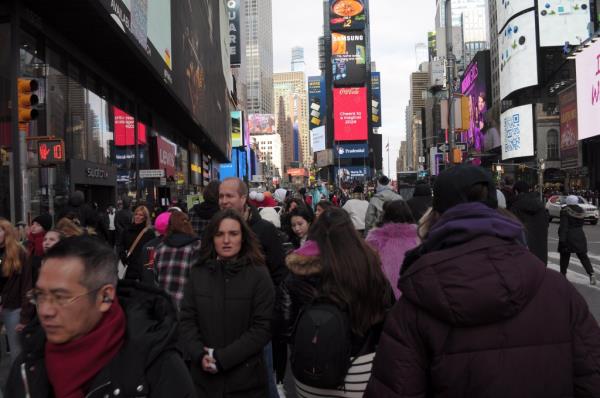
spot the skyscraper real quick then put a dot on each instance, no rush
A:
(258, 55)
(298, 64)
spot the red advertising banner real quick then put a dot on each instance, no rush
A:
(350, 114)
(167, 152)
(125, 130)
(569, 137)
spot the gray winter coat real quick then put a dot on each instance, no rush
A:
(375, 209)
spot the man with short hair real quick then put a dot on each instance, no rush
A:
(94, 340)
(375, 210)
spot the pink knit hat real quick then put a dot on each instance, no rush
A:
(162, 222)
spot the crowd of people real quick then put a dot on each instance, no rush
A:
(446, 294)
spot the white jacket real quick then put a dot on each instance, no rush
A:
(357, 209)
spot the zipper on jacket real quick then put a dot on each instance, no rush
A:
(89, 394)
(24, 379)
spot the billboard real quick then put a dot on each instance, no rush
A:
(317, 104)
(375, 99)
(351, 151)
(317, 139)
(125, 129)
(516, 126)
(350, 114)
(569, 145)
(481, 136)
(236, 129)
(166, 151)
(587, 64)
(506, 9)
(261, 123)
(347, 15)
(348, 173)
(517, 50)
(563, 21)
(348, 58)
(233, 15)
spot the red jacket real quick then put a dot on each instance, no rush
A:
(485, 318)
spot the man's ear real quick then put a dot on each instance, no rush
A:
(107, 297)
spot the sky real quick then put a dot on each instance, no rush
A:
(396, 26)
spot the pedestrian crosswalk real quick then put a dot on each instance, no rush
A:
(575, 273)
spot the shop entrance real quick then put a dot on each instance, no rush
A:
(102, 195)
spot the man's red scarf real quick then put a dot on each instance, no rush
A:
(72, 366)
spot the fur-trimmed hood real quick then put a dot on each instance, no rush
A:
(302, 265)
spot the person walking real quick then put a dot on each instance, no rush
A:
(395, 234)
(226, 311)
(480, 315)
(375, 209)
(420, 201)
(110, 225)
(571, 237)
(528, 208)
(175, 255)
(132, 242)
(357, 208)
(335, 266)
(123, 218)
(94, 340)
(200, 214)
(15, 282)
(161, 225)
(301, 219)
(35, 242)
(51, 238)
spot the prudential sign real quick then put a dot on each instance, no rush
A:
(351, 151)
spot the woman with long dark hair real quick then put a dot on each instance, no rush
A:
(300, 220)
(335, 264)
(226, 311)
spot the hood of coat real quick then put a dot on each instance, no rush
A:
(575, 211)
(206, 210)
(528, 203)
(302, 265)
(180, 240)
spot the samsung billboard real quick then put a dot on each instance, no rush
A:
(517, 53)
(587, 64)
(348, 58)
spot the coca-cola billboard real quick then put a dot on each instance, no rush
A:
(350, 114)
(166, 153)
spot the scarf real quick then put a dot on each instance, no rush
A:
(36, 241)
(72, 366)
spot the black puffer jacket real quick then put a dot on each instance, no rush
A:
(228, 306)
(135, 261)
(272, 245)
(571, 237)
(147, 365)
(531, 211)
(421, 201)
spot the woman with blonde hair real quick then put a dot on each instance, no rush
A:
(68, 227)
(130, 247)
(15, 282)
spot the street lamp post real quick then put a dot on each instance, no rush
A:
(451, 77)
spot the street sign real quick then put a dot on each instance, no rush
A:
(442, 147)
(459, 145)
(152, 173)
(51, 152)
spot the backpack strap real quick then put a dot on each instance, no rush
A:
(136, 241)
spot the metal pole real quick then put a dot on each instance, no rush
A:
(17, 203)
(451, 77)
(388, 156)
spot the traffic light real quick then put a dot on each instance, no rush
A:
(27, 99)
(457, 155)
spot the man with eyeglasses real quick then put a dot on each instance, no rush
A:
(94, 339)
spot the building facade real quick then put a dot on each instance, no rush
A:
(269, 146)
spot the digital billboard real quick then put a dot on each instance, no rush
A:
(481, 136)
(347, 15)
(348, 58)
(233, 15)
(350, 114)
(506, 9)
(516, 127)
(349, 173)
(563, 21)
(317, 104)
(569, 144)
(125, 129)
(317, 139)
(351, 151)
(517, 50)
(375, 99)
(587, 64)
(261, 123)
(236, 129)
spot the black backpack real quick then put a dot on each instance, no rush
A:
(321, 346)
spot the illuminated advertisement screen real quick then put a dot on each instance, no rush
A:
(260, 123)
(506, 9)
(349, 173)
(518, 55)
(348, 58)
(563, 21)
(481, 136)
(350, 114)
(587, 64)
(125, 129)
(233, 14)
(236, 129)
(516, 126)
(352, 151)
(375, 99)
(347, 15)
(317, 105)
(569, 145)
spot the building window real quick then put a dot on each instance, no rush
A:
(553, 145)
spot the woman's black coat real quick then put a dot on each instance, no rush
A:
(571, 238)
(228, 306)
(134, 262)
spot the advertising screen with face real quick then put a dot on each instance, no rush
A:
(506, 9)
(350, 114)
(516, 127)
(587, 64)
(482, 135)
(518, 54)
(563, 21)
(347, 15)
(259, 123)
(350, 173)
(348, 58)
